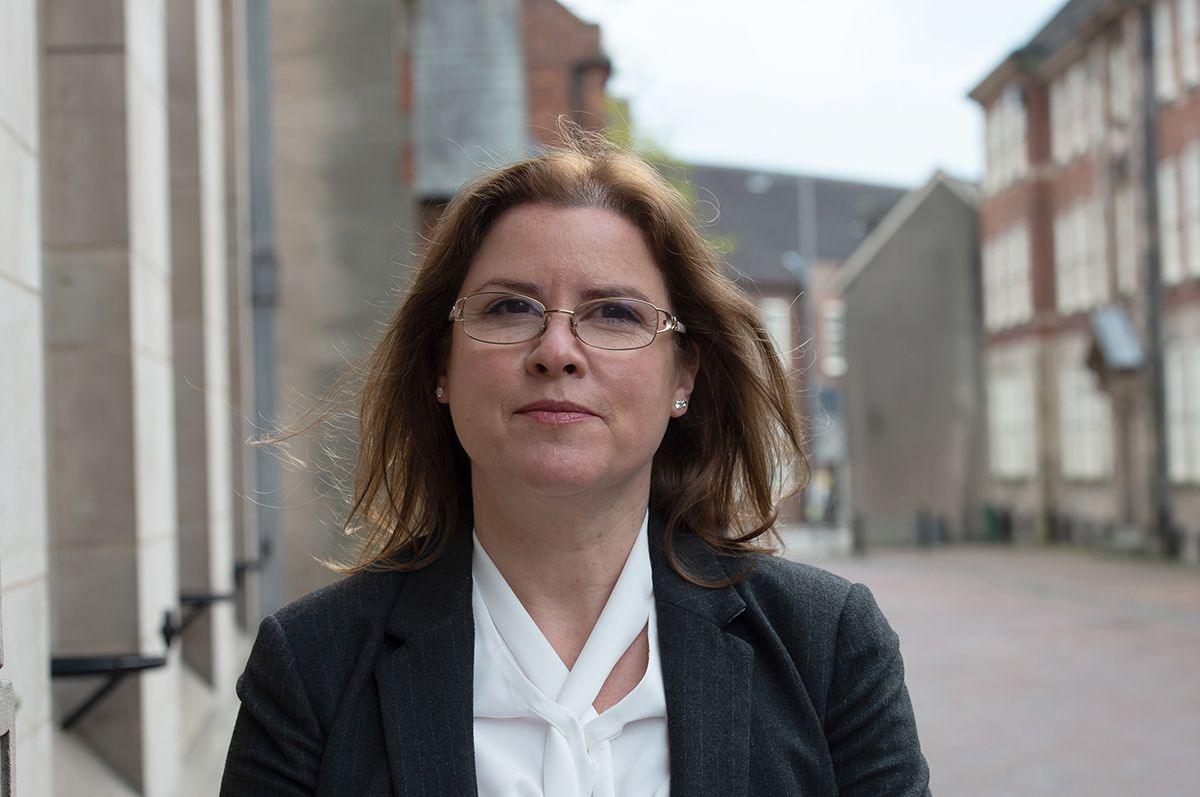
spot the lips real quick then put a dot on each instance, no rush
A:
(549, 411)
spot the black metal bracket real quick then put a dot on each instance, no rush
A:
(243, 566)
(192, 605)
(115, 668)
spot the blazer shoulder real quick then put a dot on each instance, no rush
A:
(341, 614)
(778, 585)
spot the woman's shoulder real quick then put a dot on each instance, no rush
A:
(811, 601)
(775, 581)
(340, 614)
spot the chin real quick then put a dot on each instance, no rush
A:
(558, 478)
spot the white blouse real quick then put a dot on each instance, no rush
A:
(536, 731)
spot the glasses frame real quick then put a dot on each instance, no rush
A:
(671, 324)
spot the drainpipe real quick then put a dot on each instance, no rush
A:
(264, 291)
(1160, 482)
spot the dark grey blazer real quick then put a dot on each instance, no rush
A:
(789, 683)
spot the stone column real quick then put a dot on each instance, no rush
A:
(201, 338)
(25, 739)
(106, 248)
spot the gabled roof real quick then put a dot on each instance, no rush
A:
(1071, 22)
(866, 253)
(777, 222)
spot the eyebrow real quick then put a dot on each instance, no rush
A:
(597, 292)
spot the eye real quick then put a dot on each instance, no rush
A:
(511, 305)
(617, 312)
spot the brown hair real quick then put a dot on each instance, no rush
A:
(718, 468)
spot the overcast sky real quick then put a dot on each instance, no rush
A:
(871, 89)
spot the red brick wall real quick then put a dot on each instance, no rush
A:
(565, 69)
(1178, 124)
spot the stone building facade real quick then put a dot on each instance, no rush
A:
(1068, 237)
(131, 571)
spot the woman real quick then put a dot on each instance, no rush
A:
(572, 435)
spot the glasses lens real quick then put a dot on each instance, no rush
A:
(501, 317)
(616, 323)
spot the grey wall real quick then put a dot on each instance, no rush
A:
(913, 400)
(469, 86)
(343, 231)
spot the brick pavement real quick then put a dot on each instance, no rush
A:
(1046, 672)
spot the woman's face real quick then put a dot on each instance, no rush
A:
(561, 257)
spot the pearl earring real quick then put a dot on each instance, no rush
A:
(680, 404)
(438, 391)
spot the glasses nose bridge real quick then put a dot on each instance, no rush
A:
(570, 318)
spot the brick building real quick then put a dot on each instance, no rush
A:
(1067, 246)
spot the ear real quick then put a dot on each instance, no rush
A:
(688, 366)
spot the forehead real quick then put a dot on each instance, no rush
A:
(565, 251)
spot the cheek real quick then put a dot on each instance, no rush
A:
(647, 389)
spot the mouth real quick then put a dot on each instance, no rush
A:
(555, 412)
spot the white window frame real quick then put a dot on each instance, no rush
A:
(1166, 81)
(833, 335)
(1125, 224)
(1181, 378)
(1189, 45)
(1190, 172)
(1168, 222)
(1120, 81)
(1006, 125)
(1011, 424)
(1007, 296)
(777, 318)
(1084, 425)
(1081, 256)
(1076, 110)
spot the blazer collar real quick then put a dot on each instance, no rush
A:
(706, 669)
(425, 673)
(425, 677)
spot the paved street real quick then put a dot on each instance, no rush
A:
(1045, 672)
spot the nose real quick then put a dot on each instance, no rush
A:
(557, 351)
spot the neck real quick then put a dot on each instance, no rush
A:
(560, 555)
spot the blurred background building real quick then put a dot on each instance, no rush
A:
(914, 408)
(213, 206)
(1090, 227)
(785, 237)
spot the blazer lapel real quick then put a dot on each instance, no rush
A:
(425, 676)
(706, 672)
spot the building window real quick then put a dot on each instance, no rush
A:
(1168, 222)
(1081, 256)
(1166, 85)
(1189, 47)
(1182, 382)
(833, 334)
(1085, 425)
(1072, 122)
(1125, 210)
(777, 317)
(1006, 288)
(1011, 424)
(1120, 85)
(1191, 206)
(1005, 128)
